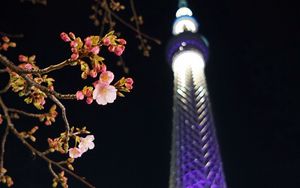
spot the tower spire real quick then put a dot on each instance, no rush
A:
(182, 3)
(195, 156)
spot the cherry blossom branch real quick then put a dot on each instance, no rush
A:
(19, 70)
(106, 8)
(22, 72)
(21, 112)
(63, 112)
(6, 88)
(11, 127)
(11, 35)
(2, 151)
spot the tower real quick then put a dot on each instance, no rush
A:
(195, 157)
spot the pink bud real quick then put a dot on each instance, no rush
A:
(23, 58)
(5, 46)
(5, 39)
(95, 50)
(42, 101)
(1, 119)
(129, 83)
(89, 100)
(74, 56)
(73, 44)
(119, 50)
(47, 123)
(111, 48)
(74, 50)
(97, 67)
(79, 95)
(122, 41)
(51, 88)
(28, 66)
(88, 42)
(88, 93)
(95, 83)
(106, 41)
(93, 73)
(103, 68)
(65, 37)
(72, 35)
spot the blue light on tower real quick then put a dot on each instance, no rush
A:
(195, 157)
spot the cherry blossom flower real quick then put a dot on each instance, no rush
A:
(106, 77)
(104, 93)
(75, 152)
(79, 95)
(86, 143)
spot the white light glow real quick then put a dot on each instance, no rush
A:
(187, 63)
(185, 23)
(184, 11)
(187, 59)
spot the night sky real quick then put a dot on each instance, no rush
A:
(252, 76)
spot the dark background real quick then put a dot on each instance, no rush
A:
(252, 75)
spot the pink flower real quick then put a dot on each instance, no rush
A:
(104, 93)
(122, 41)
(106, 77)
(65, 37)
(75, 152)
(86, 143)
(23, 58)
(129, 83)
(119, 50)
(95, 50)
(79, 95)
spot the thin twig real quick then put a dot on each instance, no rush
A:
(6, 88)
(63, 112)
(2, 151)
(35, 151)
(23, 73)
(130, 26)
(51, 68)
(51, 170)
(11, 35)
(21, 112)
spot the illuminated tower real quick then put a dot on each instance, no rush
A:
(195, 157)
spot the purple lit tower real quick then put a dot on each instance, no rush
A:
(195, 157)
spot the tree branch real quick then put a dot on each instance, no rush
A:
(35, 151)
(130, 26)
(23, 72)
